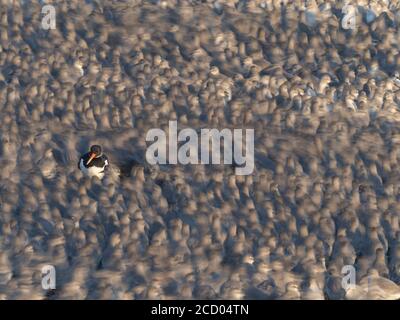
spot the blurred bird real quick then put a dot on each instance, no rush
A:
(47, 165)
(292, 292)
(374, 287)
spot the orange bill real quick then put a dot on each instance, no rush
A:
(92, 156)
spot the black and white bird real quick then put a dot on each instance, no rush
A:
(94, 162)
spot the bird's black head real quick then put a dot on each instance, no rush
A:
(96, 150)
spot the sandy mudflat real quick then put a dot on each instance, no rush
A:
(323, 102)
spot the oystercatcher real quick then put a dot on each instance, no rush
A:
(93, 163)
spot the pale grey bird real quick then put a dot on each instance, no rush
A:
(292, 292)
(374, 287)
(48, 165)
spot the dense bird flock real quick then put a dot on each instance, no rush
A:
(323, 101)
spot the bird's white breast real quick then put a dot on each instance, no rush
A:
(93, 171)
